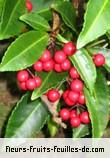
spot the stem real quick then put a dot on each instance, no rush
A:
(30, 73)
(53, 110)
(96, 43)
(61, 39)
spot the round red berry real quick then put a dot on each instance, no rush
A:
(65, 94)
(73, 96)
(48, 65)
(74, 73)
(84, 117)
(46, 56)
(99, 60)
(77, 85)
(69, 48)
(59, 57)
(73, 113)
(31, 84)
(29, 6)
(38, 81)
(22, 76)
(57, 68)
(69, 102)
(53, 95)
(66, 65)
(81, 99)
(38, 66)
(22, 86)
(64, 114)
(75, 121)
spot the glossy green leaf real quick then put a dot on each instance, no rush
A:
(98, 106)
(66, 10)
(96, 21)
(105, 52)
(10, 24)
(108, 34)
(43, 4)
(49, 80)
(27, 119)
(24, 51)
(36, 21)
(81, 131)
(1, 7)
(84, 64)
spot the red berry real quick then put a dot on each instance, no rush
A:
(53, 95)
(57, 68)
(84, 117)
(69, 48)
(66, 65)
(31, 84)
(77, 85)
(81, 99)
(48, 65)
(73, 113)
(22, 86)
(29, 5)
(22, 76)
(38, 81)
(65, 94)
(59, 57)
(38, 66)
(99, 60)
(73, 96)
(46, 56)
(69, 102)
(75, 121)
(74, 73)
(64, 114)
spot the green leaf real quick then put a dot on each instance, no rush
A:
(98, 106)
(108, 34)
(36, 21)
(10, 24)
(96, 21)
(52, 128)
(1, 7)
(85, 66)
(24, 51)
(105, 52)
(27, 119)
(81, 131)
(49, 80)
(43, 4)
(66, 10)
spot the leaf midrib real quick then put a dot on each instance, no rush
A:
(14, 58)
(11, 16)
(25, 120)
(44, 26)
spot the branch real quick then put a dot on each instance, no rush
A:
(52, 107)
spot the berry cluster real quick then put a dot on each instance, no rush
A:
(75, 118)
(73, 96)
(59, 62)
(26, 82)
